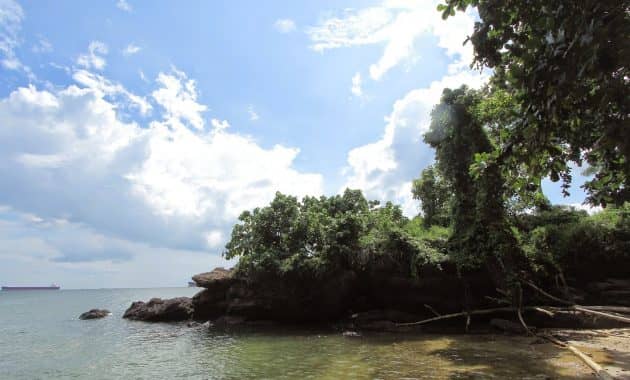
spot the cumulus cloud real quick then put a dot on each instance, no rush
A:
(253, 116)
(41, 251)
(94, 59)
(356, 85)
(11, 17)
(124, 5)
(131, 49)
(384, 169)
(396, 24)
(67, 156)
(285, 25)
(104, 87)
(42, 46)
(178, 97)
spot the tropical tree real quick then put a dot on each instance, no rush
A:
(565, 65)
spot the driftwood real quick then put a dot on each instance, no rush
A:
(583, 309)
(432, 310)
(455, 315)
(599, 371)
(541, 309)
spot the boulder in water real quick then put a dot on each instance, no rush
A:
(95, 314)
(159, 310)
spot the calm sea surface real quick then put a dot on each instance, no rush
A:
(42, 338)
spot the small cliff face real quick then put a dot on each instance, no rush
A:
(314, 300)
(334, 297)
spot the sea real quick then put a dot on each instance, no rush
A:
(41, 337)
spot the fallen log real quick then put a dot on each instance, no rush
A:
(547, 310)
(599, 371)
(601, 314)
(583, 309)
(462, 314)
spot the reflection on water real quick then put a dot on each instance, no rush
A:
(40, 337)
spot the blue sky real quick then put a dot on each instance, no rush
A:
(133, 133)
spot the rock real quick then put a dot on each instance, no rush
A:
(209, 304)
(210, 279)
(95, 314)
(159, 310)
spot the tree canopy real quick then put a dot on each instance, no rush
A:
(564, 65)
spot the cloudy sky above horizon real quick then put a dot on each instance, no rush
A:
(133, 133)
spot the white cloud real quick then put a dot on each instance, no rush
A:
(356, 85)
(94, 59)
(124, 5)
(219, 125)
(397, 24)
(253, 116)
(42, 46)
(104, 87)
(131, 49)
(384, 169)
(586, 207)
(284, 25)
(11, 17)
(178, 97)
(121, 187)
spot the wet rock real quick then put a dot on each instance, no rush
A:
(95, 314)
(209, 304)
(159, 310)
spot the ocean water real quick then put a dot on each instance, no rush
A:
(42, 338)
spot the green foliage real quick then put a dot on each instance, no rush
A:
(564, 64)
(435, 195)
(480, 231)
(323, 236)
(565, 240)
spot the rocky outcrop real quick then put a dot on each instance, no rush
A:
(217, 277)
(95, 314)
(212, 302)
(159, 310)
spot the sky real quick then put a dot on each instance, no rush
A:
(133, 133)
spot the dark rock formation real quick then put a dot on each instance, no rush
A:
(212, 302)
(95, 314)
(159, 310)
(374, 299)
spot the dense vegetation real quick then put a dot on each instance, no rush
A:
(558, 98)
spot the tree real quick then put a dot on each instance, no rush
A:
(434, 193)
(565, 63)
(481, 234)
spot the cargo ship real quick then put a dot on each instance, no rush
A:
(51, 287)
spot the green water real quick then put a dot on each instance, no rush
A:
(41, 338)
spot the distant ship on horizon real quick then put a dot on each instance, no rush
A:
(50, 287)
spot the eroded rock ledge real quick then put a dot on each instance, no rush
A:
(369, 301)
